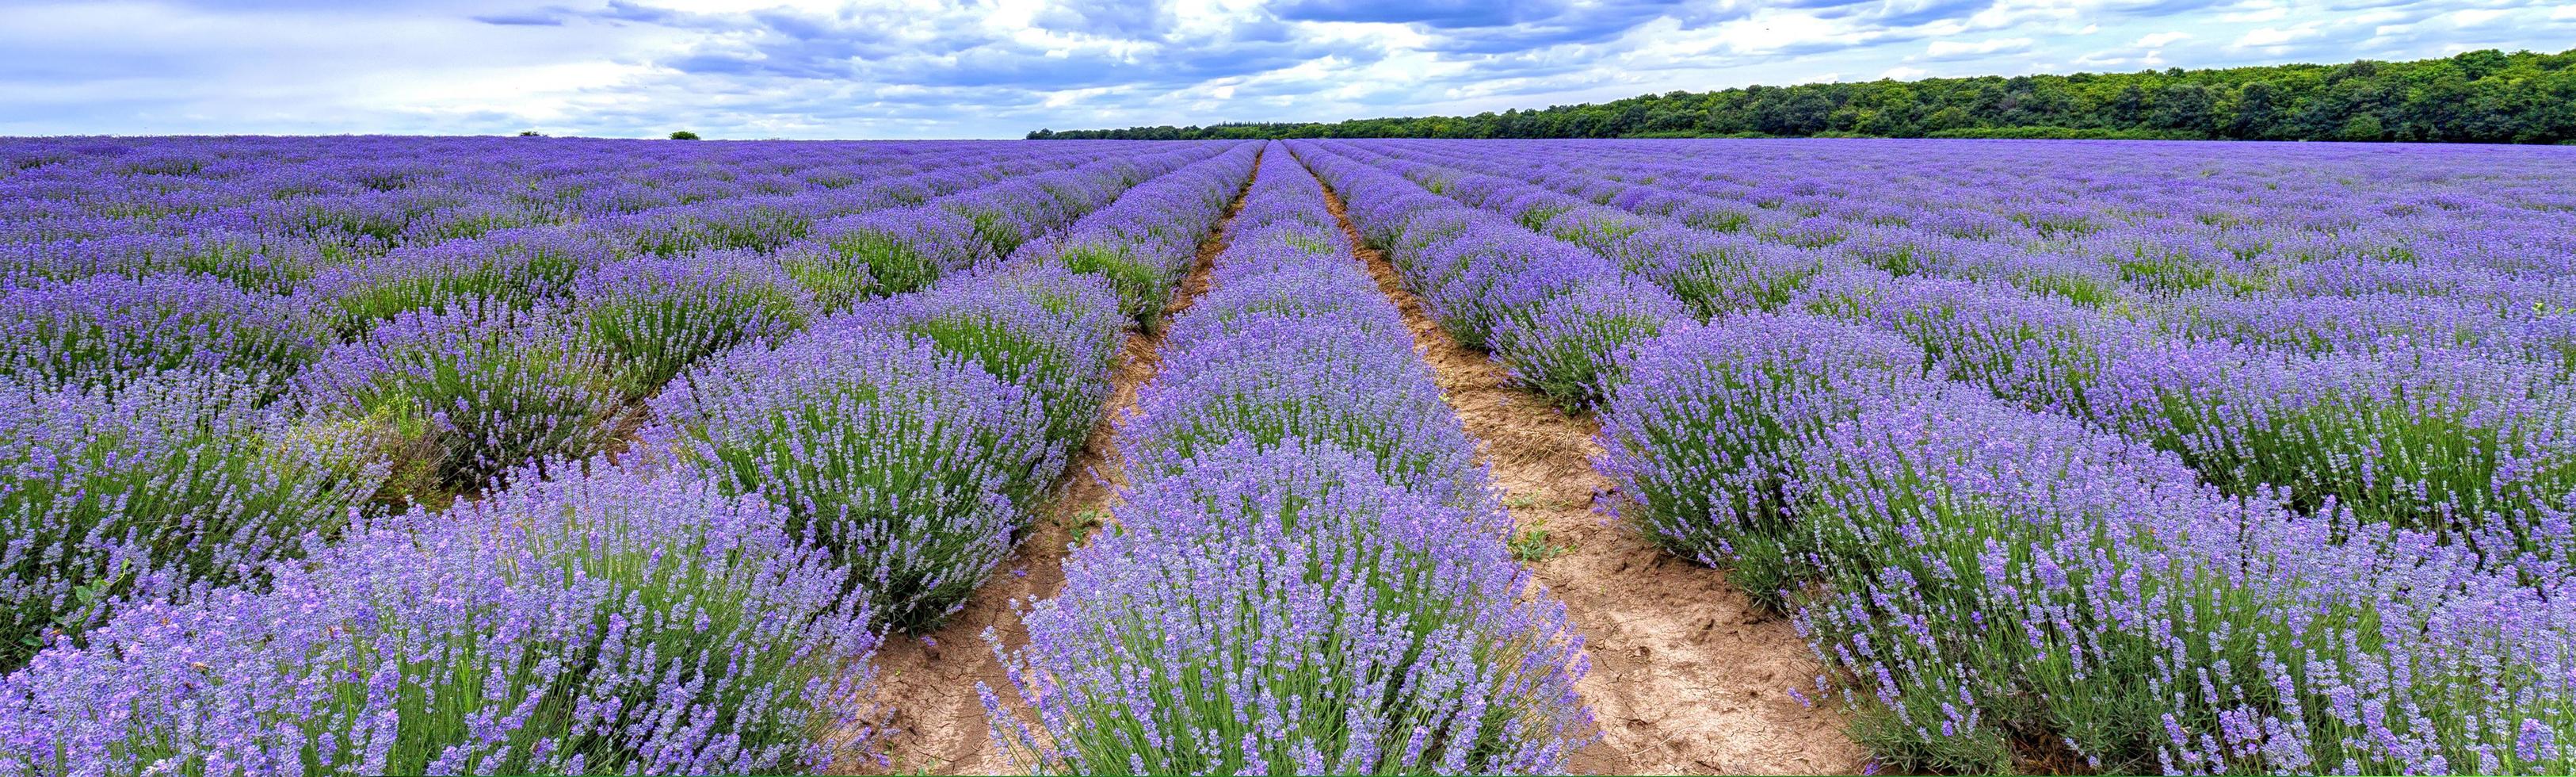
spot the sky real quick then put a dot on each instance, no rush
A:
(894, 69)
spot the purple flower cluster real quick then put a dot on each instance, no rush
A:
(103, 330)
(628, 620)
(1986, 570)
(1147, 240)
(893, 455)
(519, 267)
(1554, 312)
(1038, 326)
(173, 483)
(1027, 207)
(473, 393)
(905, 249)
(654, 315)
(1717, 273)
(2042, 351)
(2442, 440)
(2278, 485)
(1308, 575)
(888, 251)
(1707, 432)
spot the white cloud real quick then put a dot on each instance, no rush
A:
(926, 68)
(2279, 36)
(1947, 49)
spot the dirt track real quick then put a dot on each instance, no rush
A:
(928, 683)
(1688, 677)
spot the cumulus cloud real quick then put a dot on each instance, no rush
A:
(1950, 49)
(997, 68)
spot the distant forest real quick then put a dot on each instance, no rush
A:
(2476, 97)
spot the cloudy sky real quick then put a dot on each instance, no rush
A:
(891, 69)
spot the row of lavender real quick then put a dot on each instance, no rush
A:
(275, 210)
(2346, 256)
(1308, 573)
(172, 431)
(2339, 249)
(1552, 312)
(1995, 584)
(2279, 222)
(705, 604)
(2467, 437)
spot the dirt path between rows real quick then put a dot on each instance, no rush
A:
(1688, 677)
(927, 683)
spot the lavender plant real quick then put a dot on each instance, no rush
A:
(518, 267)
(897, 458)
(1280, 608)
(886, 252)
(1568, 349)
(2453, 442)
(473, 393)
(1998, 586)
(1709, 432)
(653, 316)
(1305, 378)
(177, 482)
(104, 330)
(1034, 325)
(624, 621)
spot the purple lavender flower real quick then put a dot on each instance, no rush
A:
(896, 457)
(176, 482)
(1035, 325)
(653, 315)
(473, 393)
(1288, 611)
(625, 620)
(107, 329)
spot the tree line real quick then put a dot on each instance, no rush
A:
(2483, 96)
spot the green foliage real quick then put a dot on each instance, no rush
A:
(2477, 97)
(1143, 288)
(1533, 545)
(684, 135)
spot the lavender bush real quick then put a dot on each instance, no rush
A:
(2454, 442)
(1145, 241)
(1288, 611)
(1305, 378)
(521, 268)
(897, 458)
(106, 329)
(1037, 326)
(1709, 431)
(653, 316)
(885, 252)
(619, 622)
(1992, 576)
(177, 482)
(1568, 349)
(470, 394)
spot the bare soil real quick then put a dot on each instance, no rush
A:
(926, 684)
(1688, 675)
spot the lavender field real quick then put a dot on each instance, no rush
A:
(388, 455)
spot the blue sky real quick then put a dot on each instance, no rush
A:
(766, 68)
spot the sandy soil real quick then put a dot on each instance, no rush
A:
(926, 684)
(1688, 676)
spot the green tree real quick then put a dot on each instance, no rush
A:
(2478, 96)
